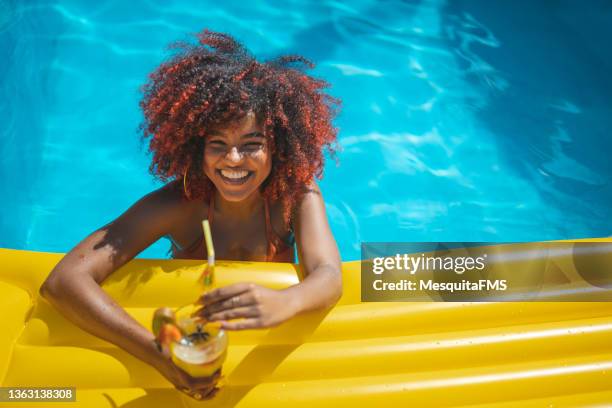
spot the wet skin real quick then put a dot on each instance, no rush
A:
(241, 147)
(73, 286)
(239, 226)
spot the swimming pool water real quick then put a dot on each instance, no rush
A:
(462, 120)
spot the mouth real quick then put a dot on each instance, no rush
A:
(234, 176)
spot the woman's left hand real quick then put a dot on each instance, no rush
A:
(256, 306)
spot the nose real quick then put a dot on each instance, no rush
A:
(234, 155)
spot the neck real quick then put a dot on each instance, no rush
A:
(238, 210)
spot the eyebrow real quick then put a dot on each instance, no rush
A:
(245, 136)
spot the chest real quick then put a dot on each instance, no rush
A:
(246, 241)
(233, 240)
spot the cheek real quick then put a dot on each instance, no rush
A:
(208, 165)
(267, 166)
(263, 162)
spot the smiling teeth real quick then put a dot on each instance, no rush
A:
(232, 174)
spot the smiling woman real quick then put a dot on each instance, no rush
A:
(246, 144)
(237, 141)
(237, 161)
(217, 89)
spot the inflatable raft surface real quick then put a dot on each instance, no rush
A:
(357, 354)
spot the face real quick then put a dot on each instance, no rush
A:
(237, 159)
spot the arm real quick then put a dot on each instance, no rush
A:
(318, 254)
(321, 288)
(73, 286)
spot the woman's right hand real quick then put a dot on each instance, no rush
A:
(199, 388)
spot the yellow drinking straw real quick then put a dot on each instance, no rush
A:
(210, 268)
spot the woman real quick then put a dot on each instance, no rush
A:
(238, 142)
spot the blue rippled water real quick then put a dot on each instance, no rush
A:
(462, 120)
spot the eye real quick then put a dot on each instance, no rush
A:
(252, 146)
(216, 145)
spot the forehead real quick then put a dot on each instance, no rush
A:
(245, 125)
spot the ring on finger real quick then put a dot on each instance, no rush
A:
(236, 301)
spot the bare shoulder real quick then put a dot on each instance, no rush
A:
(309, 192)
(144, 222)
(169, 203)
(311, 196)
(169, 195)
(158, 211)
(316, 243)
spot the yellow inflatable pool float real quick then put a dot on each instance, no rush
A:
(416, 354)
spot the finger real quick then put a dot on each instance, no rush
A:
(206, 391)
(244, 299)
(199, 313)
(203, 393)
(250, 311)
(185, 390)
(197, 383)
(211, 393)
(207, 394)
(252, 323)
(195, 394)
(200, 392)
(224, 293)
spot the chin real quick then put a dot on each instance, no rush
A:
(234, 196)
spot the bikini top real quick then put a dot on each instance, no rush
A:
(279, 250)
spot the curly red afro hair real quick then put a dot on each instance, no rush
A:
(216, 82)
